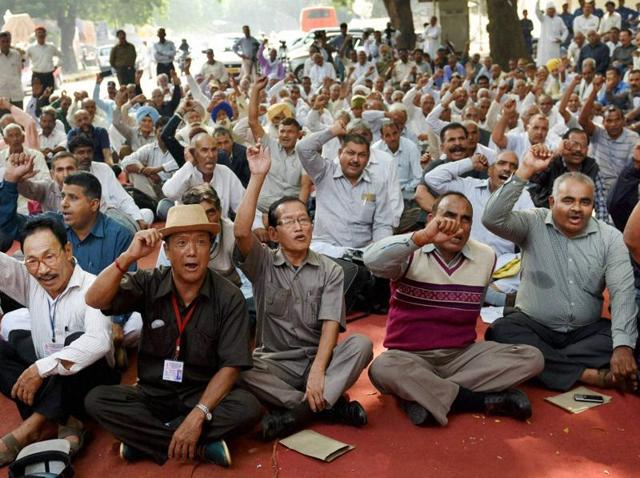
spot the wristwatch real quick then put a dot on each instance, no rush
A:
(205, 410)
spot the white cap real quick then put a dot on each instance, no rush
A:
(550, 4)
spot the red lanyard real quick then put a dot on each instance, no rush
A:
(182, 322)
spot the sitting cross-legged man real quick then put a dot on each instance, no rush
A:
(194, 343)
(49, 370)
(298, 364)
(438, 281)
(568, 258)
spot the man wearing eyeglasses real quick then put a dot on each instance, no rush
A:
(49, 370)
(298, 364)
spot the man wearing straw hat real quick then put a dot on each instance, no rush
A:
(194, 343)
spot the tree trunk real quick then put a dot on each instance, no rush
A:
(505, 35)
(401, 18)
(67, 25)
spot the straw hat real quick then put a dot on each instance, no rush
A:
(188, 218)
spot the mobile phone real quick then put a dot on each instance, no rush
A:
(578, 397)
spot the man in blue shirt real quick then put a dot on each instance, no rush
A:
(615, 91)
(452, 67)
(628, 15)
(597, 50)
(567, 18)
(99, 136)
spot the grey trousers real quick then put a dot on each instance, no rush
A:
(433, 377)
(148, 423)
(276, 384)
(144, 184)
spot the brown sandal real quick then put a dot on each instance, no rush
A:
(13, 448)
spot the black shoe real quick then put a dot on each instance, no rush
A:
(417, 413)
(277, 424)
(512, 403)
(347, 412)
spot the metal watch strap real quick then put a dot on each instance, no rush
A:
(204, 409)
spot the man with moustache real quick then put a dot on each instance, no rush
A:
(49, 370)
(433, 364)
(298, 365)
(568, 258)
(570, 156)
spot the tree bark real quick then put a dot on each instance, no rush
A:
(505, 35)
(67, 25)
(401, 18)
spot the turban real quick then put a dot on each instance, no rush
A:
(358, 101)
(222, 106)
(147, 111)
(278, 109)
(553, 63)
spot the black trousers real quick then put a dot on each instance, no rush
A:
(58, 396)
(126, 75)
(147, 422)
(45, 78)
(566, 355)
(165, 68)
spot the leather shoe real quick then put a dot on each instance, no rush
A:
(277, 424)
(512, 403)
(417, 413)
(347, 412)
(216, 452)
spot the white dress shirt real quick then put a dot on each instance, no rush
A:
(11, 75)
(317, 73)
(446, 178)
(55, 139)
(41, 57)
(585, 24)
(406, 160)
(113, 194)
(150, 155)
(52, 320)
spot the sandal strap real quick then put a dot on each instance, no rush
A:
(11, 443)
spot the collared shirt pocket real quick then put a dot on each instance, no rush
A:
(367, 207)
(277, 300)
(312, 309)
(593, 280)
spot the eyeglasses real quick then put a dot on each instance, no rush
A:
(50, 259)
(289, 222)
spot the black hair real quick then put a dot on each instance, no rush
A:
(80, 141)
(40, 223)
(273, 216)
(120, 31)
(355, 138)
(88, 182)
(453, 126)
(439, 199)
(571, 131)
(202, 192)
(220, 130)
(161, 122)
(62, 155)
(291, 122)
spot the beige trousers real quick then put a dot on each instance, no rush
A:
(432, 378)
(272, 382)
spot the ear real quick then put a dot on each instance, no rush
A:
(68, 250)
(95, 205)
(552, 201)
(273, 234)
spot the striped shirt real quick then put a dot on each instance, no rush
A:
(563, 278)
(434, 304)
(612, 155)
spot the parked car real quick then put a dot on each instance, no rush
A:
(298, 51)
(103, 52)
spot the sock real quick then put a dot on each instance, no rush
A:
(468, 401)
(302, 413)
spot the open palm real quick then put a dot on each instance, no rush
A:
(259, 159)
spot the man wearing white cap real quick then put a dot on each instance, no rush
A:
(553, 32)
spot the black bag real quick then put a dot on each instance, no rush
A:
(142, 200)
(362, 290)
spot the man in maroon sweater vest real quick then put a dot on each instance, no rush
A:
(433, 364)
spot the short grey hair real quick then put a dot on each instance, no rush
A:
(358, 124)
(588, 61)
(576, 176)
(11, 126)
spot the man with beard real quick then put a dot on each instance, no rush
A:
(448, 178)
(433, 364)
(298, 364)
(570, 156)
(568, 258)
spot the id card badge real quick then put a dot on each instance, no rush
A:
(173, 371)
(51, 348)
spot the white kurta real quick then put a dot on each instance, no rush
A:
(431, 40)
(553, 32)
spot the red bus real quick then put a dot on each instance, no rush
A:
(317, 17)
